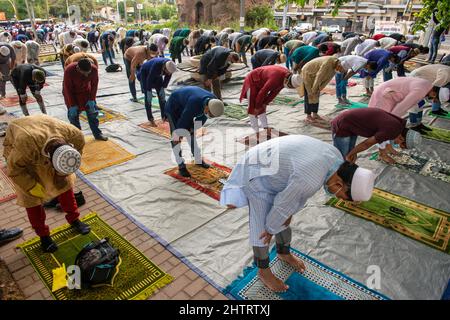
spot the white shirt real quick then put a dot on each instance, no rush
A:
(387, 42)
(309, 36)
(77, 42)
(353, 63)
(362, 48)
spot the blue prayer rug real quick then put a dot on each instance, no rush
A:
(318, 282)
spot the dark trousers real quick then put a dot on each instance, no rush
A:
(95, 46)
(434, 45)
(148, 103)
(310, 107)
(92, 116)
(108, 53)
(131, 84)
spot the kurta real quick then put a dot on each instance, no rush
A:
(304, 54)
(295, 167)
(438, 74)
(264, 84)
(24, 143)
(78, 89)
(33, 49)
(80, 55)
(176, 46)
(399, 95)
(317, 74)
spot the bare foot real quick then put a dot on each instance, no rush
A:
(272, 282)
(293, 261)
(153, 124)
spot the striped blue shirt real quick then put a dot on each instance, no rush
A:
(293, 168)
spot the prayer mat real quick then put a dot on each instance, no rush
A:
(318, 282)
(285, 100)
(155, 102)
(236, 111)
(104, 115)
(137, 277)
(163, 129)
(419, 163)
(260, 137)
(208, 181)
(412, 219)
(429, 114)
(437, 134)
(7, 191)
(98, 155)
(13, 101)
(350, 83)
(328, 90)
(354, 105)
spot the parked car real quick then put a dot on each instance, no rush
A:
(332, 29)
(303, 27)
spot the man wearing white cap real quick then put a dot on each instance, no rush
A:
(275, 179)
(261, 86)
(33, 50)
(42, 155)
(20, 49)
(7, 63)
(156, 74)
(187, 110)
(378, 126)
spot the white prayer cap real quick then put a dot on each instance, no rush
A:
(4, 51)
(362, 184)
(296, 80)
(66, 160)
(76, 49)
(413, 139)
(444, 95)
(171, 67)
(216, 107)
(362, 38)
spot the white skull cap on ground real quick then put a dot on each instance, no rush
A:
(413, 139)
(362, 184)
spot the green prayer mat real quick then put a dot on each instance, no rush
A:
(428, 113)
(137, 278)
(414, 220)
(438, 134)
(290, 101)
(354, 105)
(421, 164)
(155, 102)
(236, 111)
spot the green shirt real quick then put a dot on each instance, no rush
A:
(304, 54)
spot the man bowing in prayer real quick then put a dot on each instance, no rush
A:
(275, 179)
(186, 110)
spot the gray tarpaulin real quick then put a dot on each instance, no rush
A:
(214, 239)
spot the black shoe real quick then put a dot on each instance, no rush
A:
(439, 112)
(134, 100)
(81, 227)
(51, 204)
(424, 128)
(48, 245)
(81, 201)
(184, 172)
(204, 165)
(101, 137)
(7, 235)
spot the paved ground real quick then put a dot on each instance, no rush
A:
(187, 284)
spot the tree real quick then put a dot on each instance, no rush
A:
(258, 16)
(442, 14)
(167, 11)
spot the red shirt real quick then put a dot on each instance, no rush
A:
(78, 89)
(378, 36)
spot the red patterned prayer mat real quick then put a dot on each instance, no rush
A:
(7, 191)
(260, 137)
(163, 129)
(13, 101)
(208, 181)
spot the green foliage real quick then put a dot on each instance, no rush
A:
(424, 16)
(261, 15)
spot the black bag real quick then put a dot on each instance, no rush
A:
(97, 261)
(114, 68)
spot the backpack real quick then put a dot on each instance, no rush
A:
(98, 261)
(114, 68)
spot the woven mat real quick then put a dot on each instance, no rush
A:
(155, 102)
(104, 115)
(98, 155)
(429, 114)
(437, 134)
(260, 137)
(7, 191)
(137, 278)
(207, 181)
(412, 219)
(13, 101)
(318, 282)
(236, 111)
(163, 129)
(285, 100)
(354, 105)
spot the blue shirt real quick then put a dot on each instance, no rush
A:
(186, 105)
(293, 168)
(131, 33)
(151, 76)
(381, 57)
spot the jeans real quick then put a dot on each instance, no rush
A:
(95, 46)
(434, 45)
(341, 85)
(288, 61)
(416, 113)
(148, 103)
(344, 144)
(254, 64)
(92, 115)
(131, 84)
(387, 75)
(108, 52)
(176, 147)
(435, 106)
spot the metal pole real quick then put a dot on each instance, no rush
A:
(125, 9)
(355, 15)
(68, 12)
(242, 16)
(285, 10)
(47, 10)
(118, 11)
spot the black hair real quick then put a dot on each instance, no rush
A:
(424, 50)
(85, 65)
(372, 65)
(153, 47)
(323, 47)
(396, 58)
(346, 172)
